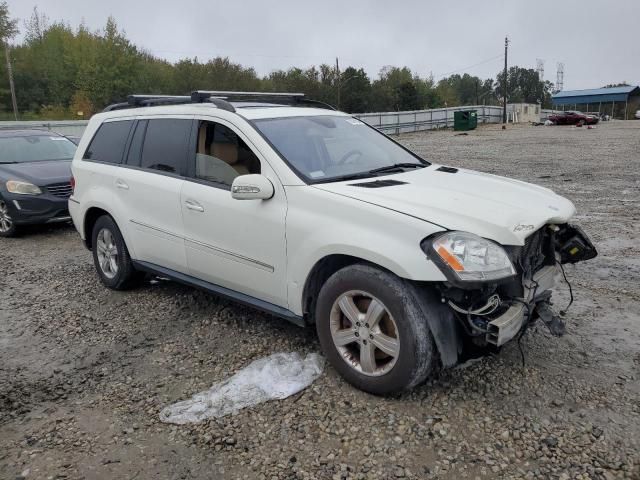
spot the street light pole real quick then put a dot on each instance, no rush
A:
(504, 89)
(11, 85)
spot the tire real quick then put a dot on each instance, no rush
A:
(111, 256)
(400, 328)
(7, 227)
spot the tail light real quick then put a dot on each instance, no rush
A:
(72, 181)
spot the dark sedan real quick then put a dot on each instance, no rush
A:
(35, 173)
(573, 118)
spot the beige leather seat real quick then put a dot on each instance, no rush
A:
(228, 152)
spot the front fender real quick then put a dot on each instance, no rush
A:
(344, 226)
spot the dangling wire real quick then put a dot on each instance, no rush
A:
(564, 312)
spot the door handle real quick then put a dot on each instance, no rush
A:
(122, 184)
(195, 206)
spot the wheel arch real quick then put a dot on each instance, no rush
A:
(319, 274)
(90, 218)
(440, 320)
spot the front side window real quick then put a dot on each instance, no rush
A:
(333, 148)
(221, 155)
(109, 142)
(166, 145)
(35, 148)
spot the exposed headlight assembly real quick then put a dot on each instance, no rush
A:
(23, 188)
(468, 258)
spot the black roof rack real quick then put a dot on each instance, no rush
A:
(220, 99)
(280, 98)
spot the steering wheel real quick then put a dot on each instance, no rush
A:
(348, 155)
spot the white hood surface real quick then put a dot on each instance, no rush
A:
(501, 209)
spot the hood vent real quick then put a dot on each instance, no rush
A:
(378, 184)
(447, 169)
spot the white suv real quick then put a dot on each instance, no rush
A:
(312, 215)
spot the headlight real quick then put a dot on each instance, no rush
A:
(470, 257)
(23, 188)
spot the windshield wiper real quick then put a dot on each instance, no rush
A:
(397, 166)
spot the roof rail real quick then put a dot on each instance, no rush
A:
(218, 98)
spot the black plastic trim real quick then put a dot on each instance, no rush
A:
(221, 291)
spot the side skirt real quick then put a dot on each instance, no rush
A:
(221, 291)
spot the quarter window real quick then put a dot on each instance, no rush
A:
(109, 142)
(166, 145)
(221, 155)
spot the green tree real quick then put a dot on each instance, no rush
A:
(524, 86)
(355, 90)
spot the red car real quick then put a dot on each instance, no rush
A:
(573, 118)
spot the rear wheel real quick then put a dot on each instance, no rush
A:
(7, 227)
(111, 257)
(371, 330)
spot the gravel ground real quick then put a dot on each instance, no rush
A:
(84, 371)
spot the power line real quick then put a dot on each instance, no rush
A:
(470, 66)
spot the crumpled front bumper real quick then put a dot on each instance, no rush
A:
(507, 325)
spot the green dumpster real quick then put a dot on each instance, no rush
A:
(465, 120)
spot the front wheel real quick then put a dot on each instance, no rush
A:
(111, 257)
(7, 227)
(371, 330)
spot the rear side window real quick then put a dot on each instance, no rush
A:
(135, 148)
(166, 145)
(109, 142)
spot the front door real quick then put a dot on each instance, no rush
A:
(237, 244)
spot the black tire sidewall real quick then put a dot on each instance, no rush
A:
(417, 350)
(125, 267)
(13, 231)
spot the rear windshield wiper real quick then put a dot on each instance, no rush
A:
(397, 166)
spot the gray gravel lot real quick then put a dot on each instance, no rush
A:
(84, 371)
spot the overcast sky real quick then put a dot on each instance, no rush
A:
(596, 40)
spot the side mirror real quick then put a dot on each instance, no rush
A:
(252, 187)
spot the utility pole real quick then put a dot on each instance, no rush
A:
(11, 86)
(504, 89)
(339, 82)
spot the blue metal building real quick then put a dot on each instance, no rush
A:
(602, 97)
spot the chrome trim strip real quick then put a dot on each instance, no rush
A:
(235, 256)
(156, 229)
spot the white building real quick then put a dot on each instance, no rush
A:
(523, 112)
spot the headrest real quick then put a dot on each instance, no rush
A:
(227, 152)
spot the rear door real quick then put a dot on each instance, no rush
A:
(148, 190)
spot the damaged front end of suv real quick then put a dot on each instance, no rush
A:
(495, 292)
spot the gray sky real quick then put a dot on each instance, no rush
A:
(597, 40)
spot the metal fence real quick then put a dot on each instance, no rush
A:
(63, 127)
(387, 122)
(413, 121)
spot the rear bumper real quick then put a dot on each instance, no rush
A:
(506, 326)
(36, 209)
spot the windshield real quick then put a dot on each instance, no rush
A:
(333, 148)
(35, 148)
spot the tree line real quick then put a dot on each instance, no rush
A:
(62, 72)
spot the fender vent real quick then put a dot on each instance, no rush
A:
(447, 170)
(378, 184)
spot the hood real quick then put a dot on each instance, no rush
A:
(38, 173)
(504, 210)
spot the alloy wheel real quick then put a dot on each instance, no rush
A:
(364, 333)
(107, 251)
(5, 219)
